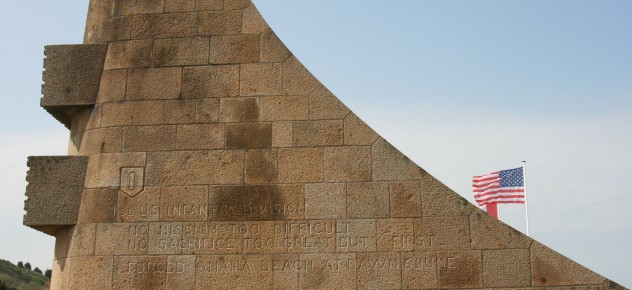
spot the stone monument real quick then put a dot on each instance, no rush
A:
(203, 155)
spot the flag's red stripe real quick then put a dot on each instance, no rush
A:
(479, 200)
(498, 192)
(504, 202)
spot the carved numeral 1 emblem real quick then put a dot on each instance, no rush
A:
(132, 180)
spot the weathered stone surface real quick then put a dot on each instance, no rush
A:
(249, 136)
(272, 49)
(210, 81)
(349, 163)
(318, 133)
(201, 136)
(261, 166)
(220, 23)
(549, 268)
(154, 83)
(506, 268)
(489, 233)
(405, 199)
(215, 160)
(261, 79)
(164, 25)
(235, 49)
(325, 201)
(367, 200)
(128, 54)
(301, 165)
(181, 51)
(390, 164)
(71, 79)
(54, 192)
(284, 108)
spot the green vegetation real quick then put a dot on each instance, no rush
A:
(21, 277)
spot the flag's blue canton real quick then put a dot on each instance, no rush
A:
(511, 178)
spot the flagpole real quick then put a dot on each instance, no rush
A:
(526, 204)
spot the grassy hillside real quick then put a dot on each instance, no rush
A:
(14, 277)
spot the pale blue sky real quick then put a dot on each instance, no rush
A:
(462, 87)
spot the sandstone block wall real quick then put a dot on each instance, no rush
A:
(215, 160)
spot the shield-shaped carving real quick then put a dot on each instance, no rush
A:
(132, 180)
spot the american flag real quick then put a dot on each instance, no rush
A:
(505, 186)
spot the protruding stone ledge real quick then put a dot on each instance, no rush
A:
(55, 184)
(72, 74)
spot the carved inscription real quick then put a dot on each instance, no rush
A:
(132, 180)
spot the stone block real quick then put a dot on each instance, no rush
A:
(323, 105)
(210, 82)
(442, 233)
(356, 235)
(101, 27)
(75, 241)
(132, 271)
(325, 201)
(262, 79)
(207, 111)
(220, 23)
(490, 233)
(285, 269)
(328, 271)
(253, 23)
(367, 200)
(170, 25)
(138, 113)
(98, 205)
(122, 239)
(184, 204)
(284, 108)
(154, 83)
(261, 166)
(301, 165)
(405, 197)
(181, 51)
(180, 6)
(54, 191)
(439, 200)
(395, 235)
(201, 136)
(180, 111)
(348, 163)
(236, 4)
(307, 236)
(182, 273)
(265, 241)
(272, 49)
(239, 110)
(206, 5)
(128, 7)
(72, 74)
(390, 164)
(96, 141)
(357, 132)
(249, 136)
(419, 270)
(297, 80)
(257, 203)
(85, 119)
(459, 269)
(128, 54)
(195, 167)
(149, 138)
(112, 86)
(61, 274)
(282, 134)
(318, 133)
(506, 268)
(144, 207)
(229, 49)
(104, 170)
(379, 271)
(216, 271)
(549, 268)
(91, 272)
